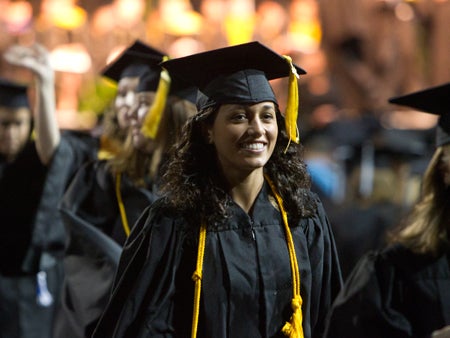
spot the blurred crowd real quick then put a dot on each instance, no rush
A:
(363, 153)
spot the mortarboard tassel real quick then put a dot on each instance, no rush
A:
(292, 104)
(108, 148)
(153, 117)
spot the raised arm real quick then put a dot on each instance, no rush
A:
(36, 59)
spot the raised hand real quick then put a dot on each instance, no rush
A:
(35, 58)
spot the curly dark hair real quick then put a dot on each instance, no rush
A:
(192, 180)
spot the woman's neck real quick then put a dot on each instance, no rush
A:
(244, 190)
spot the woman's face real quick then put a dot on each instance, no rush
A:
(136, 117)
(445, 164)
(15, 127)
(125, 99)
(244, 136)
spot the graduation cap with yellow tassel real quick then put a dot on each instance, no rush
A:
(163, 85)
(143, 61)
(158, 81)
(240, 75)
(135, 61)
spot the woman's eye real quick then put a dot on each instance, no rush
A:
(121, 93)
(268, 116)
(239, 117)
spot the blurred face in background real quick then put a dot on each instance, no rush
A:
(136, 119)
(125, 99)
(15, 128)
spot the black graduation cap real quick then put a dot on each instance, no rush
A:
(133, 61)
(13, 95)
(184, 90)
(158, 80)
(401, 144)
(236, 74)
(150, 81)
(433, 100)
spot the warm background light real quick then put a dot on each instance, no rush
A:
(70, 58)
(17, 16)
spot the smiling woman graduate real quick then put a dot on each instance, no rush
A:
(238, 246)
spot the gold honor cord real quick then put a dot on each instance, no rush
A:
(293, 328)
(197, 278)
(123, 214)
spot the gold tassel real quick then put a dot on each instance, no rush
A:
(292, 104)
(293, 328)
(108, 148)
(153, 118)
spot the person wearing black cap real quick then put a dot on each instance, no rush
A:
(237, 246)
(124, 71)
(372, 209)
(109, 195)
(36, 162)
(404, 289)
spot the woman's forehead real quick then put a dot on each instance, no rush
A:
(9, 113)
(261, 105)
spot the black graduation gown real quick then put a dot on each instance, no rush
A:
(32, 238)
(358, 229)
(393, 293)
(91, 196)
(246, 285)
(90, 205)
(21, 185)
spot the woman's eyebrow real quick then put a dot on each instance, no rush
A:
(268, 106)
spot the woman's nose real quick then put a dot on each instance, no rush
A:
(255, 127)
(129, 98)
(131, 114)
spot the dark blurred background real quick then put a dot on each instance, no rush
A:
(366, 156)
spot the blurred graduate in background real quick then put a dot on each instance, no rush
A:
(124, 72)
(403, 290)
(36, 163)
(107, 196)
